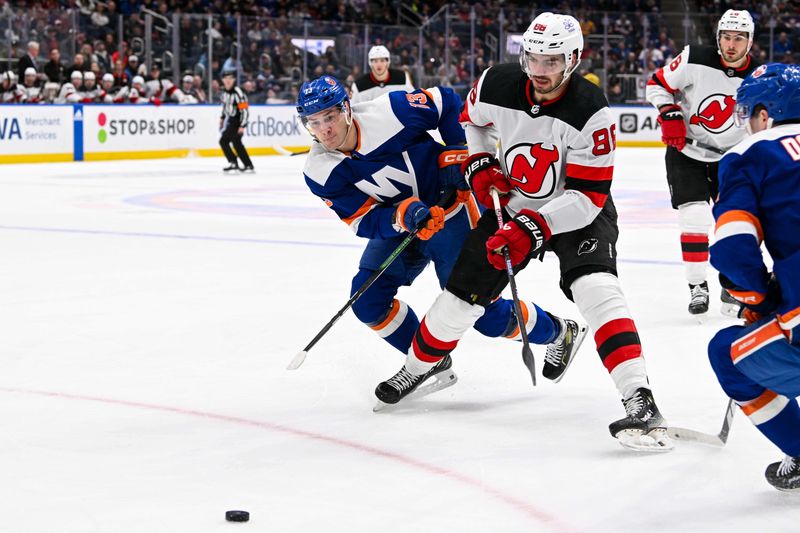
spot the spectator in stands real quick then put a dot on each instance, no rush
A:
(121, 78)
(55, 71)
(133, 66)
(782, 46)
(30, 59)
(79, 65)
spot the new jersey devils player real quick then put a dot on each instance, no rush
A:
(556, 138)
(695, 95)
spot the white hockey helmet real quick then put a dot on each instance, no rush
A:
(89, 76)
(378, 52)
(551, 34)
(733, 20)
(108, 77)
(137, 80)
(76, 75)
(30, 71)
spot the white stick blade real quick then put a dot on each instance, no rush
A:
(297, 360)
(690, 435)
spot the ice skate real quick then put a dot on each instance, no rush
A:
(699, 302)
(643, 429)
(730, 305)
(232, 167)
(405, 384)
(785, 475)
(561, 351)
(249, 169)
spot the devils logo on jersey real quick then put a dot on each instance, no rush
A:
(715, 113)
(531, 168)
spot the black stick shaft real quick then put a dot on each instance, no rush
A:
(527, 354)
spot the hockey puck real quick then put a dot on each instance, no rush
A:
(237, 516)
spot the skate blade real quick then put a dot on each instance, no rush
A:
(700, 317)
(438, 382)
(582, 330)
(656, 441)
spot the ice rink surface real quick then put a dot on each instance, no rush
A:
(148, 312)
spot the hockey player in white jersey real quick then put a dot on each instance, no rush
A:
(695, 96)
(70, 91)
(31, 87)
(90, 92)
(381, 78)
(160, 90)
(556, 139)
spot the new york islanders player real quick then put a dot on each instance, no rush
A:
(381, 79)
(556, 155)
(695, 95)
(377, 168)
(758, 365)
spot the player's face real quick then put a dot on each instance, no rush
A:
(30, 80)
(545, 71)
(733, 45)
(379, 66)
(329, 127)
(89, 84)
(107, 85)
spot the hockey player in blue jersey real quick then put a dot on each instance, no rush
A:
(758, 364)
(375, 165)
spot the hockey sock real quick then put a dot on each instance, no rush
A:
(440, 330)
(501, 321)
(397, 327)
(601, 302)
(695, 222)
(778, 418)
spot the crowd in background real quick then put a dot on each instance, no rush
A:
(44, 43)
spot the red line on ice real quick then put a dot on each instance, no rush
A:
(520, 505)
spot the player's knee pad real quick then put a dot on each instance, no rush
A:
(449, 316)
(695, 217)
(599, 298)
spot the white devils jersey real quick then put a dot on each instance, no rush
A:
(559, 155)
(706, 91)
(367, 88)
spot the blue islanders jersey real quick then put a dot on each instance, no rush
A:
(759, 200)
(395, 158)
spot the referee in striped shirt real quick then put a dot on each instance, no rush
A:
(233, 122)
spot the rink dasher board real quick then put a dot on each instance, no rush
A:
(90, 132)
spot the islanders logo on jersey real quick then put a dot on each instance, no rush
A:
(532, 168)
(715, 113)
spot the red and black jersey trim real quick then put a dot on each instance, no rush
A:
(617, 342)
(708, 56)
(507, 86)
(594, 182)
(367, 81)
(428, 348)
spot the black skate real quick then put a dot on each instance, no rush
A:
(249, 169)
(699, 302)
(561, 351)
(232, 167)
(644, 429)
(785, 475)
(730, 305)
(404, 383)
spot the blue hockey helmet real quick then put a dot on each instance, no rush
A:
(775, 86)
(320, 94)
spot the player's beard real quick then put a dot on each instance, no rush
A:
(553, 85)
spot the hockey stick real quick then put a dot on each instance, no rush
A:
(705, 146)
(719, 440)
(527, 354)
(298, 359)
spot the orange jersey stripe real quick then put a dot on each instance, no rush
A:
(738, 215)
(753, 406)
(361, 211)
(393, 313)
